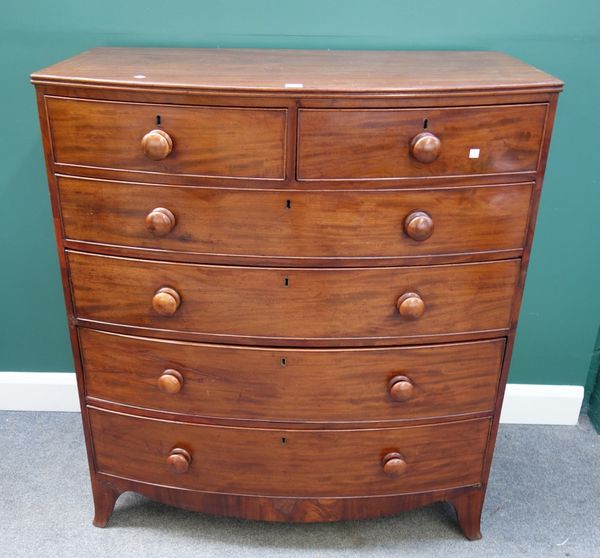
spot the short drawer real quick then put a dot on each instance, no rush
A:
(188, 140)
(297, 225)
(274, 462)
(363, 144)
(292, 384)
(287, 303)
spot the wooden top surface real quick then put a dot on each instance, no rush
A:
(297, 70)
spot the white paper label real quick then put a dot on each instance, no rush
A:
(294, 85)
(473, 153)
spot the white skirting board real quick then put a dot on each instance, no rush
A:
(38, 391)
(541, 404)
(523, 403)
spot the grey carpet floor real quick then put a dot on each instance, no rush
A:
(543, 501)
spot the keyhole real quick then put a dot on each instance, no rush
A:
(158, 119)
(288, 204)
(425, 124)
(286, 282)
(283, 361)
(284, 441)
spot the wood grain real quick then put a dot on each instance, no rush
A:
(207, 141)
(257, 151)
(294, 303)
(303, 463)
(282, 509)
(296, 224)
(313, 385)
(264, 71)
(375, 144)
(468, 508)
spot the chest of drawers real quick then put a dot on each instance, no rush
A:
(293, 278)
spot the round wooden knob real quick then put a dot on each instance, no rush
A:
(179, 460)
(160, 221)
(418, 225)
(411, 305)
(166, 301)
(157, 145)
(170, 381)
(401, 388)
(394, 464)
(425, 147)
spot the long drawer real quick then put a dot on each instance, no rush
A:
(303, 463)
(292, 303)
(204, 141)
(363, 144)
(309, 385)
(297, 224)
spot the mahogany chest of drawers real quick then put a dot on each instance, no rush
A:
(293, 277)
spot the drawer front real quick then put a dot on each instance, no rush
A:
(206, 141)
(293, 303)
(289, 385)
(308, 463)
(296, 224)
(367, 144)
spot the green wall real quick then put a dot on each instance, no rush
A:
(561, 309)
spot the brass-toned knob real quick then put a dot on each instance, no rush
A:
(179, 461)
(160, 221)
(401, 388)
(425, 147)
(411, 305)
(166, 301)
(418, 225)
(394, 464)
(157, 145)
(170, 381)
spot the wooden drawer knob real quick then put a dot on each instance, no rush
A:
(179, 460)
(425, 147)
(401, 388)
(394, 464)
(166, 301)
(157, 145)
(418, 225)
(160, 221)
(170, 381)
(411, 305)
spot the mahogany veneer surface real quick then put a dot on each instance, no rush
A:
(294, 304)
(284, 384)
(304, 463)
(208, 141)
(371, 143)
(297, 225)
(319, 71)
(293, 278)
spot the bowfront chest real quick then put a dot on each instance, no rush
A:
(293, 277)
